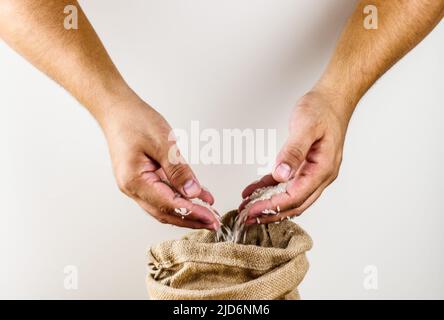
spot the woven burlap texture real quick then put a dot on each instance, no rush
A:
(269, 265)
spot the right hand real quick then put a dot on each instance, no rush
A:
(138, 141)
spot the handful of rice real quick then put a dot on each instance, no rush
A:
(237, 232)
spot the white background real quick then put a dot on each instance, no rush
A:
(228, 64)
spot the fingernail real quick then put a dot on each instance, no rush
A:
(191, 188)
(283, 171)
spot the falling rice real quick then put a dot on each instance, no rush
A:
(237, 233)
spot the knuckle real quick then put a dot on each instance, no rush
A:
(178, 172)
(338, 165)
(334, 169)
(339, 159)
(294, 154)
(164, 209)
(126, 177)
(331, 168)
(162, 219)
(126, 185)
(159, 216)
(335, 174)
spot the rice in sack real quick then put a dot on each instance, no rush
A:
(269, 264)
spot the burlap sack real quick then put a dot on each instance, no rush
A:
(270, 265)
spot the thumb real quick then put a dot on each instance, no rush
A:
(179, 173)
(292, 155)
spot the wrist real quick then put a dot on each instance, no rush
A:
(111, 102)
(342, 101)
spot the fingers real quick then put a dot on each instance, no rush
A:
(315, 174)
(295, 150)
(265, 181)
(205, 194)
(177, 171)
(309, 161)
(149, 169)
(182, 178)
(298, 190)
(158, 199)
(265, 219)
(149, 165)
(171, 219)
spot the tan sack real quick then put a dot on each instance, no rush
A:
(269, 265)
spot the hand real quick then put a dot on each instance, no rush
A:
(309, 161)
(138, 140)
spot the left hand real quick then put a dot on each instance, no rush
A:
(309, 161)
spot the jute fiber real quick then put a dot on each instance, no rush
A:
(270, 264)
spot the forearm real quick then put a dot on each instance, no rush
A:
(363, 55)
(74, 58)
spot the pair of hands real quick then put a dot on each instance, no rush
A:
(138, 139)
